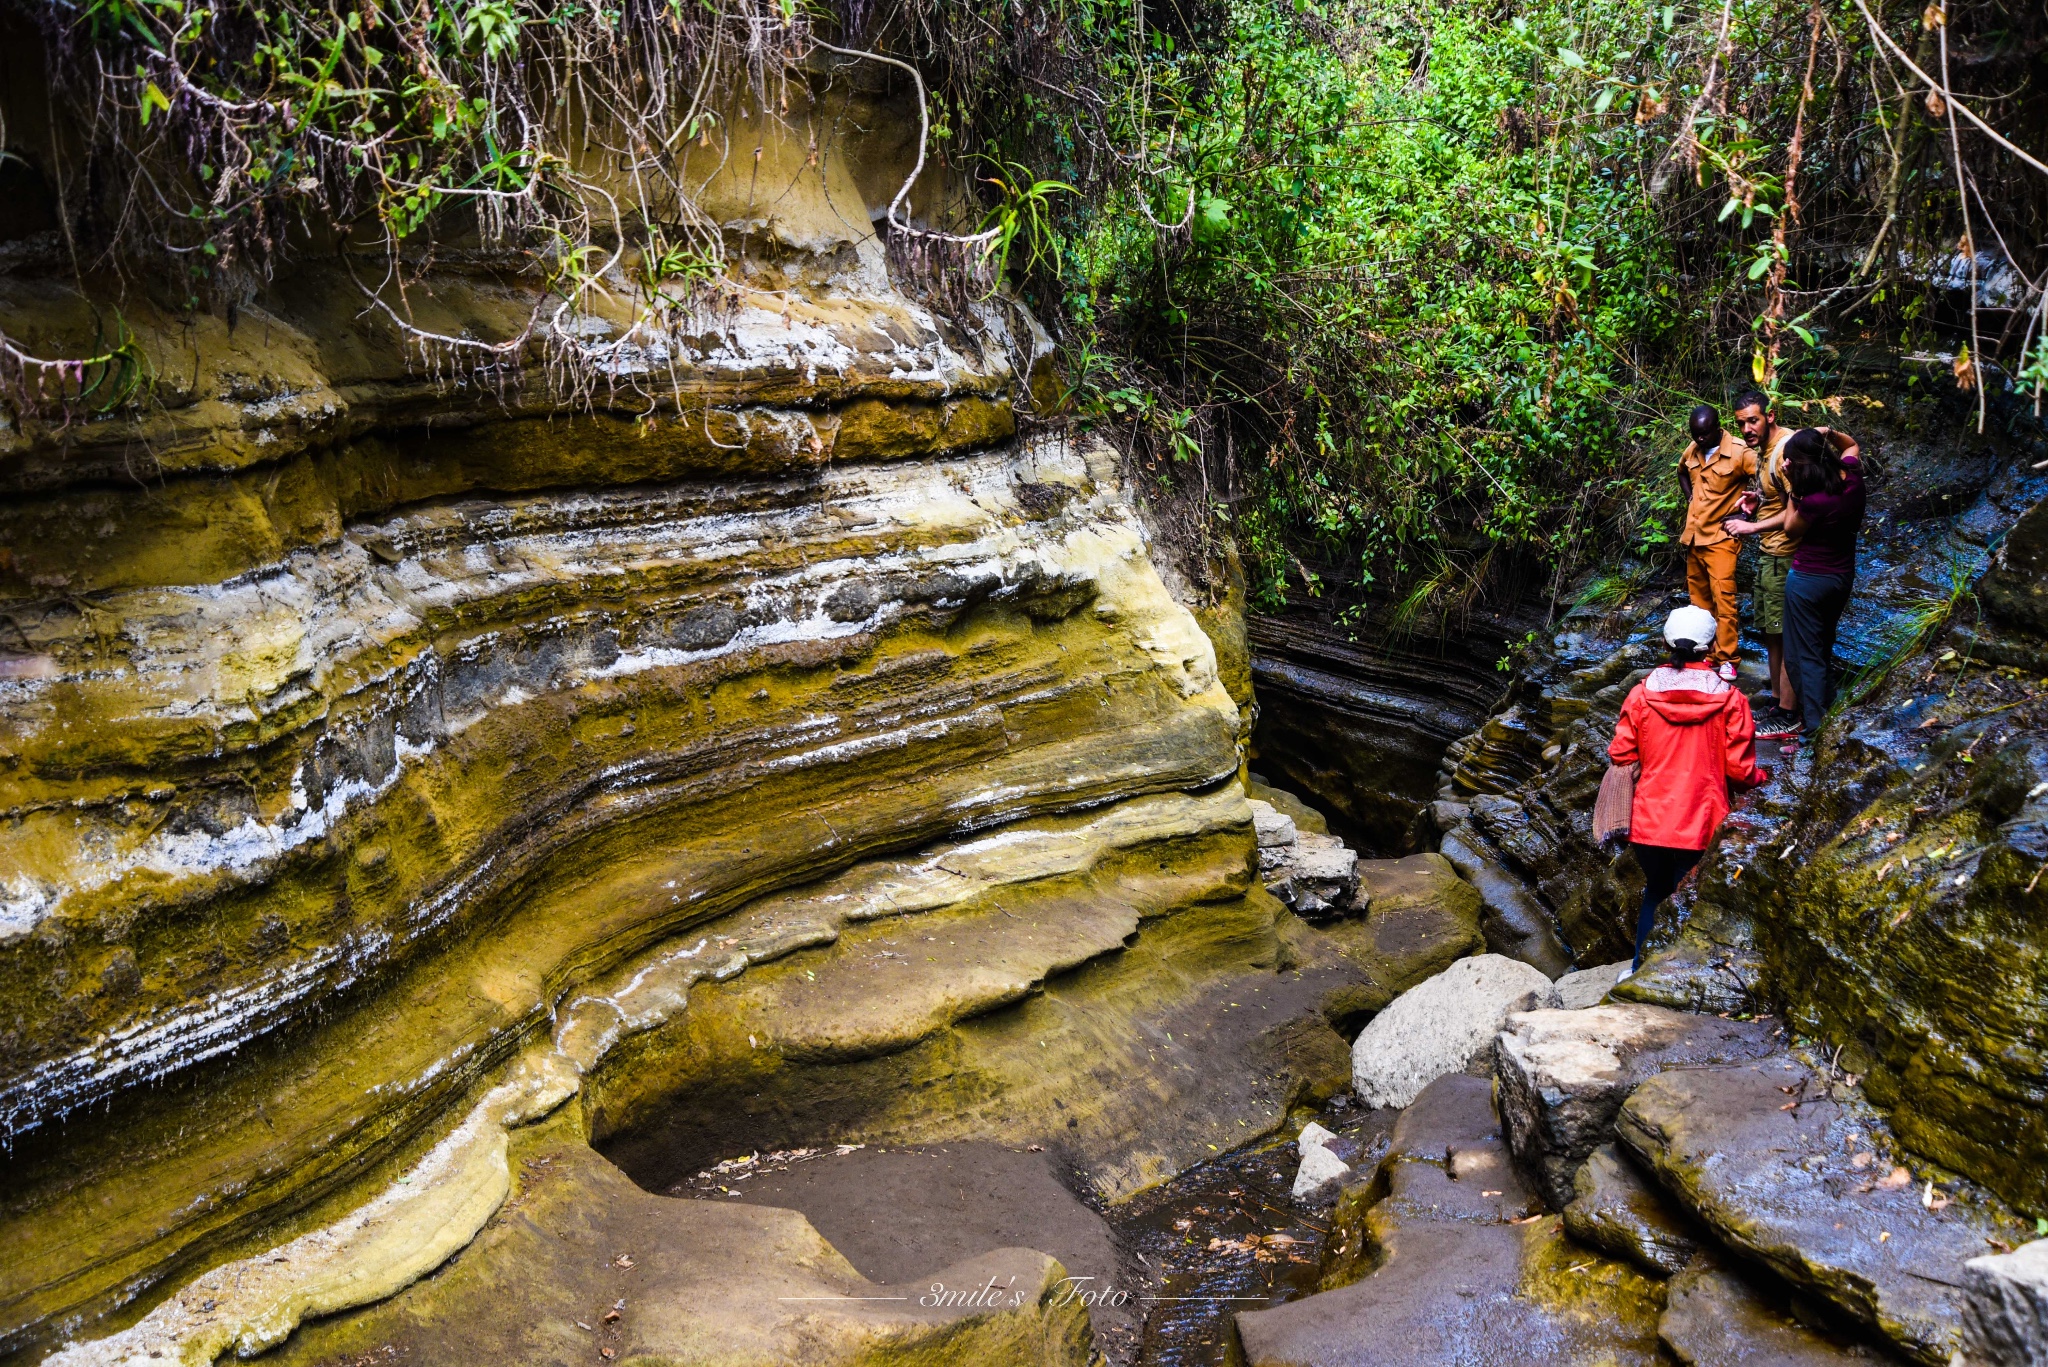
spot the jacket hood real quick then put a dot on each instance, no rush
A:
(1686, 697)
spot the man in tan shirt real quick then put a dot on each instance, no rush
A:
(1761, 431)
(1714, 472)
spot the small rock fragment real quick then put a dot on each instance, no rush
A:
(1320, 1170)
(1314, 1136)
(1588, 986)
(1275, 828)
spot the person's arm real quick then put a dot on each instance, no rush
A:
(1845, 446)
(1795, 525)
(1738, 527)
(1623, 749)
(1742, 768)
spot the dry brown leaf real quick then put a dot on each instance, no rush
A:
(1896, 1178)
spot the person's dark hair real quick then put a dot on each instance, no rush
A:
(1748, 398)
(1812, 463)
(1706, 426)
(1688, 654)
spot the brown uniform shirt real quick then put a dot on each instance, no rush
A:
(1777, 487)
(1717, 484)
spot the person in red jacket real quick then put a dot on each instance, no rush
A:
(1691, 731)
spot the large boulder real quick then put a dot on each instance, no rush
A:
(2006, 1315)
(1616, 1211)
(1801, 1176)
(1449, 1267)
(1438, 1026)
(1564, 1074)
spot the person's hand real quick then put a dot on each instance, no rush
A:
(1751, 501)
(1735, 526)
(1763, 776)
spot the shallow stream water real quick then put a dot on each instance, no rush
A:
(1160, 1273)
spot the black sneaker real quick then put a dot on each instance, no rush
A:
(1777, 724)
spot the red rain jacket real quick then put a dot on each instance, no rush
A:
(1693, 734)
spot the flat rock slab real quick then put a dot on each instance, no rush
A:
(1616, 1210)
(1780, 1170)
(897, 1213)
(1448, 1278)
(1305, 817)
(1717, 1316)
(582, 1266)
(1437, 1026)
(1564, 1074)
(1420, 919)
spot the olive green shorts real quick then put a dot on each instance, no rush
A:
(1767, 600)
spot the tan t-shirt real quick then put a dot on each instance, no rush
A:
(1777, 487)
(1717, 484)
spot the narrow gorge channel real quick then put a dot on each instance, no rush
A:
(762, 847)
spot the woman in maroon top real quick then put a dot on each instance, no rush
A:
(1826, 513)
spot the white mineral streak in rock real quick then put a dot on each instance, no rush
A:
(1437, 1026)
(398, 1236)
(248, 648)
(411, 1227)
(2005, 1318)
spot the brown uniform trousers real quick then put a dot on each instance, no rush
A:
(1718, 479)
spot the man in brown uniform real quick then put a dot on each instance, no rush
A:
(1714, 472)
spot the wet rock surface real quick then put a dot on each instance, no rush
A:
(1438, 1026)
(1565, 1074)
(1717, 1315)
(1440, 1262)
(1766, 1157)
(1619, 1211)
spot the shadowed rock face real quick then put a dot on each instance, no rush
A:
(1359, 727)
(1616, 1211)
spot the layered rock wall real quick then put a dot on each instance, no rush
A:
(352, 723)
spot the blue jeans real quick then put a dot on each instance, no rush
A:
(1813, 606)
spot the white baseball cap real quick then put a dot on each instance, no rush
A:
(1690, 628)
